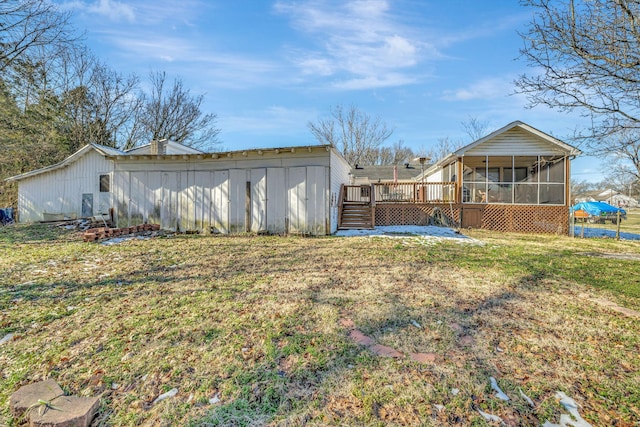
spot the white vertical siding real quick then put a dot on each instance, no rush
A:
(297, 193)
(60, 191)
(221, 198)
(137, 198)
(186, 190)
(237, 200)
(339, 175)
(202, 202)
(169, 202)
(286, 195)
(258, 200)
(121, 198)
(317, 203)
(276, 201)
(154, 194)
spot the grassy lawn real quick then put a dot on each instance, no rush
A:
(259, 323)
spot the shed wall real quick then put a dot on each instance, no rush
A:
(264, 194)
(61, 191)
(340, 170)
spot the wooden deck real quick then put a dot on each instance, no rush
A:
(439, 203)
(399, 203)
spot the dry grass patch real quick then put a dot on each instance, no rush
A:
(254, 322)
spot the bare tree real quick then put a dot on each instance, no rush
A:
(623, 153)
(475, 128)
(354, 133)
(30, 24)
(99, 103)
(173, 113)
(442, 149)
(586, 56)
(397, 154)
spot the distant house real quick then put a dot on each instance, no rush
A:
(369, 174)
(277, 190)
(610, 196)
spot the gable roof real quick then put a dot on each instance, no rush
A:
(101, 149)
(553, 142)
(562, 146)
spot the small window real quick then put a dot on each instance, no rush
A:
(104, 184)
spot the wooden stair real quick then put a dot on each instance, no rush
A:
(356, 216)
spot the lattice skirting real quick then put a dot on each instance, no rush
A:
(526, 219)
(507, 218)
(413, 214)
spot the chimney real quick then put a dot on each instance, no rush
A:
(159, 147)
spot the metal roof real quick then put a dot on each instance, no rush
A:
(102, 149)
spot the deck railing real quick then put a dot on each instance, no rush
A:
(401, 192)
(356, 194)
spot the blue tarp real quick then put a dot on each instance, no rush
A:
(6, 216)
(597, 208)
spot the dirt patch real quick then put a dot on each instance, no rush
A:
(628, 257)
(613, 306)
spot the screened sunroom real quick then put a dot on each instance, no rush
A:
(514, 179)
(526, 180)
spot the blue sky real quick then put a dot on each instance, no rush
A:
(267, 68)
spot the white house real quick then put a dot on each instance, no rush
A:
(277, 190)
(514, 179)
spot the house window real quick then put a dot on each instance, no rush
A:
(105, 186)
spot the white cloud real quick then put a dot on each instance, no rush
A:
(358, 41)
(489, 88)
(374, 82)
(401, 50)
(112, 9)
(189, 57)
(316, 66)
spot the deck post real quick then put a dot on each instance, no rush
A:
(372, 203)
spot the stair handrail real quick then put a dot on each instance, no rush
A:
(340, 203)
